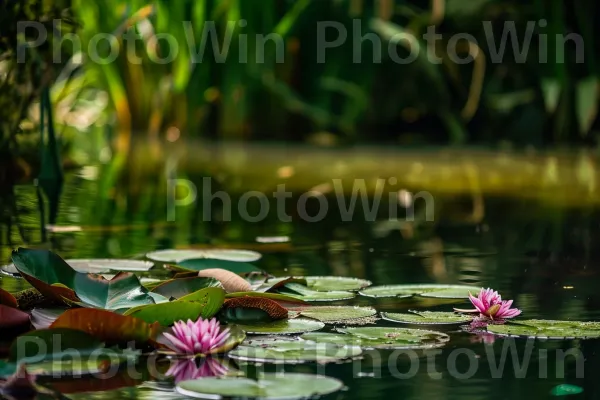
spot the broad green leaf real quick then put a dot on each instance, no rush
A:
(286, 351)
(268, 386)
(177, 288)
(47, 272)
(424, 290)
(283, 327)
(122, 291)
(428, 318)
(548, 329)
(204, 303)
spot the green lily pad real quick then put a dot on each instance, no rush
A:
(337, 314)
(95, 266)
(424, 290)
(286, 351)
(283, 327)
(428, 318)
(304, 293)
(124, 290)
(268, 386)
(328, 283)
(204, 303)
(177, 288)
(199, 264)
(382, 338)
(176, 256)
(548, 329)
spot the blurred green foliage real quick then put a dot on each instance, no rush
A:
(537, 101)
(546, 95)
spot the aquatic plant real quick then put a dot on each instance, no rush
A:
(200, 337)
(489, 305)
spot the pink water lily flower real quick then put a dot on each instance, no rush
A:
(489, 304)
(200, 337)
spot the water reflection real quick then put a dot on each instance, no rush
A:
(543, 256)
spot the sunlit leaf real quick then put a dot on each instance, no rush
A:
(348, 315)
(424, 290)
(304, 293)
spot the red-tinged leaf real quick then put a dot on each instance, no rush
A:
(7, 299)
(55, 292)
(270, 307)
(282, 299)
(12, 318)
(107, 326)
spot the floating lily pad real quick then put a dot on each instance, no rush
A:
(285, 351)
(200, 264)
(548, 329)
(176, 256)
(283, 327)
(328, 283)
(424, 290)
(382, 338)
(428, 318)
(268, 386)
(304, 293)
(282, 299)
(333, 314)
(245, 310)
(96, 266)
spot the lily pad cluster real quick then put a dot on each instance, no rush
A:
(253, 317)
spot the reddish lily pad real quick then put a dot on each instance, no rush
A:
(252, 309)
(107, 326)
(7, 299)
(12, 318)
(282, 299)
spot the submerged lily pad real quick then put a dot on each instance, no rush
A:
(176, 256)
(548, 329)
(335, 314)
(328, 283)
(285, 351)
(382, 338)
(268, 386)
(428, 318)
(424, 290)
(283, 327)
(304, 293)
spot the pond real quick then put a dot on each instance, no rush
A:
(523, 225)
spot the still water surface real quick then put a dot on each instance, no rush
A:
(542, 255)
